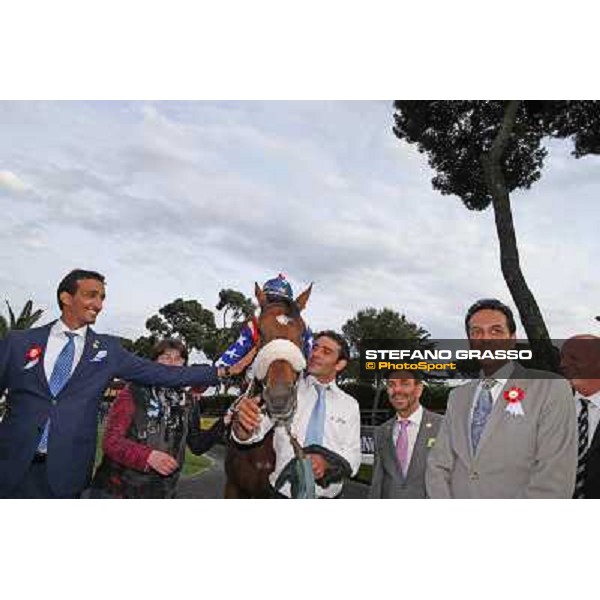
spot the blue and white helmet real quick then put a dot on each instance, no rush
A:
(279, 287)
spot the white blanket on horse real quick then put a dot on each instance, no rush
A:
(278, 350)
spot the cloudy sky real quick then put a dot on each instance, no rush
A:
(182, 199)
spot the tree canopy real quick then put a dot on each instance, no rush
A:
(455, 134)
(27, 318)
(481, 151)
(186, 320)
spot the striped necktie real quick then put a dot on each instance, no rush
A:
(61, 373)
(582, 447)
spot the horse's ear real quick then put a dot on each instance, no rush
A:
(302, 299)
(260, 295)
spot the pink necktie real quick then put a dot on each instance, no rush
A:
(402, 446)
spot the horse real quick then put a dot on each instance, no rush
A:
(248, 467)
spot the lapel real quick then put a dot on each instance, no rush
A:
(595, 443)
(39, 336)
(499, 407)
(465, 403)
(421, 442)
(391, 447)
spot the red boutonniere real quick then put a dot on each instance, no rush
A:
(32, 356)
(513, 397)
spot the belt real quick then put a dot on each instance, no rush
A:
(40, 457)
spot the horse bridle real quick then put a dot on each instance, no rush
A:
(279, 418)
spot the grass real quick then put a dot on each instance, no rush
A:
(193, 465)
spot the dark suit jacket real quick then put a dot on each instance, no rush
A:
(388, 480)
(73, 413)
(592, 470)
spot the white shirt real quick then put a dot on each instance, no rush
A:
(593, 412)
(414, 422)
(501, 376)
(57, 341)
(341, 435)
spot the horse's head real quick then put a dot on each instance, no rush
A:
(280, 360)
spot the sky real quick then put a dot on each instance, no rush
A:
(182, 199)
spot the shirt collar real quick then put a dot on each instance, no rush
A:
(312, 380)
(502, 375)
(594, 398)
(415, 418)
(60, 328)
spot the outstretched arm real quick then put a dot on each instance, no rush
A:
(146, 372)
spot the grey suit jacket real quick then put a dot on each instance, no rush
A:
(388, 480)
(530, 456)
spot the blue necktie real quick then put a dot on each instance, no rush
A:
(60, 375)
(316, 424)
(482, 411)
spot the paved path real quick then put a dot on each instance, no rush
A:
(211, 483)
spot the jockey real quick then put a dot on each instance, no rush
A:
(276, 290)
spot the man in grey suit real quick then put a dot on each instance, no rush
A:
(403, 443)
(488, 449)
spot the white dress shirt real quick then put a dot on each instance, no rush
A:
(593, 412)
(414, 422)
(57, 341)
(341, 435)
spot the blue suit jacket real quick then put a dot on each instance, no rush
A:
(73, 413)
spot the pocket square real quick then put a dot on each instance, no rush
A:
(99, 356)
(31, 364)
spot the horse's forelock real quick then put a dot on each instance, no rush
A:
(291, 309)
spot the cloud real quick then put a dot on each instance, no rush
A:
(10, 182)
(183, 199)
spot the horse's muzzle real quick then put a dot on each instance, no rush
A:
(280, 401)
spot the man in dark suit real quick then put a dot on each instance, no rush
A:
(55, 377)
(403, 443)
(580, 363)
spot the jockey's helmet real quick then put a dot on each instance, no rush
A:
(278, 288)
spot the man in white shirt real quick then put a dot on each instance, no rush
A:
(509, 435)
(402, 444)
(326, 422)
(580, 363)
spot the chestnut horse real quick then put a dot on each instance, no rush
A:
(248, 467)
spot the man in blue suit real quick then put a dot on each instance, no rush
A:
(55, 376)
